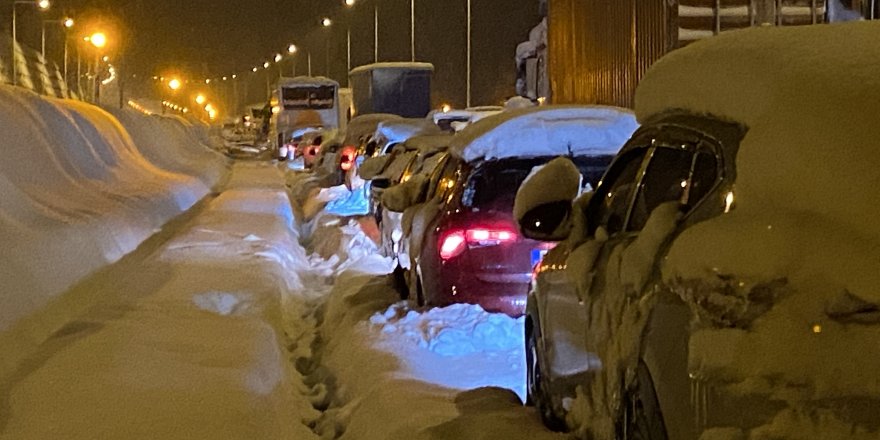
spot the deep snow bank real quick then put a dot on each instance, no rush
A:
(79, 193)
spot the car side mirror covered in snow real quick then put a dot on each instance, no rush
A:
(380, 183)
(403, 195)
(543, 206)
(547, 222)
(372, 167)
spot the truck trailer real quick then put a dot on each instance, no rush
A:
(402, 89)
(597, 51)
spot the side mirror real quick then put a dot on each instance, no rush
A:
(547, 222)
(543, 207)
(372, 166)
(406, 194)
(381, 183)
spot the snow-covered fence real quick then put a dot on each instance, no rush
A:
(81, 189)
(33, 71)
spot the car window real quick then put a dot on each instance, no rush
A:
(610, 203)
(443, 186)
(673, 174)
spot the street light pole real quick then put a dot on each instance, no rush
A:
(469, 19)
(376, 33)
(412, 22)
(42, 4)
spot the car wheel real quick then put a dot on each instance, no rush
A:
(642, 418)
(537, 386)
(398, 277)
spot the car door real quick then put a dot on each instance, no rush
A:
(562, 313)
(675, 177)
(424, 235)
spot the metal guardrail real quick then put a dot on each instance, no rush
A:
(33, 71)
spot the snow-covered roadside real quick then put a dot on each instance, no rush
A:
(389, 371)
(186, 344)
(79, 193)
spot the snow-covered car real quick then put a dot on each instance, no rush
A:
(463, 244)
(422, 156)
(721, 281)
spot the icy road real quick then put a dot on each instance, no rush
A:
(255, 315)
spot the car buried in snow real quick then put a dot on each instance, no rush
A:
(721, 280)
(462, 243)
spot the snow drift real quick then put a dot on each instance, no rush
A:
(78, 194)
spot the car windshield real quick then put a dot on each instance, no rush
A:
(493, 185)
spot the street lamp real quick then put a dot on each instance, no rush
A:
(174, 84)
(42, 5)
(200, 99)
(326, 22)
(67, 23)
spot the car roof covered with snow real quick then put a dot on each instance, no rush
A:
(392, 65)
(399, 130)
(546, 131)
(365, 125)
(429, 143)
(307, 81)
(809, 98)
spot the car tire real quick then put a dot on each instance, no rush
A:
(642, 418)
(537, 385)
(398, 278)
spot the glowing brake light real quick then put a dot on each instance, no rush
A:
(346, 159)
(454, 243)
(484, 235)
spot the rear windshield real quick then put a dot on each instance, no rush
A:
(308, 97)
(493, 185)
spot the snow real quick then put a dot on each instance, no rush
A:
(392, 65)
(397, 131)
(365, 125)
(546, 131)
(75, 184)
(307, 80)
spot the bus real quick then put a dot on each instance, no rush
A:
(301, 103)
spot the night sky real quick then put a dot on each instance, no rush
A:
(200, 39)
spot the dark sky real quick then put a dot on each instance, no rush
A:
(212, 38)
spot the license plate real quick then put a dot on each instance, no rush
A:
(538, 255)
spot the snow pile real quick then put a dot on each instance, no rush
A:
(546, 131)
(384, 370)
(785, 285)
(184, 342)
(173, 145)
(78, 194)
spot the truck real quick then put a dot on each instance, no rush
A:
(302, 103)
(402, 89)
(597, 51)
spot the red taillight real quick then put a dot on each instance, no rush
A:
(346, 158)
(454, 243)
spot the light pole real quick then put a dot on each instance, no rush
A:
(348, 3)
(326, 22)
(292, 51)
(43, 5)
(469, 19)
(67, 23)
(412, 32)
(376, 33)
(99, 41)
